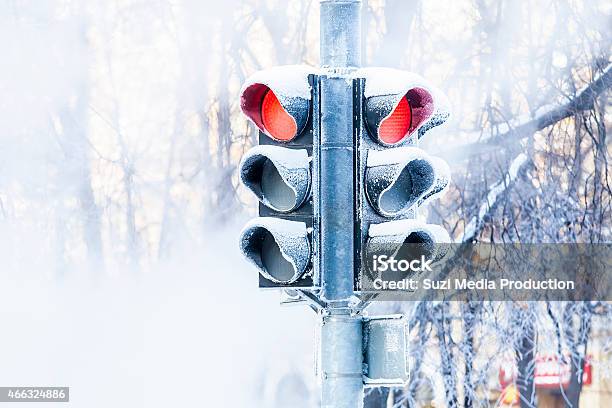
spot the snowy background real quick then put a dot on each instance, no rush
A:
(120, 133)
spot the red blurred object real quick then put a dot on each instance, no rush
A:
(395, 127)
(277, 122)
(549, 372)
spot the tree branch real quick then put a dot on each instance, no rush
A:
(583, 100)
(497, 191)
(548, 116)
(545, 116)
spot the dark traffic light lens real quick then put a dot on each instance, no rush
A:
(277, 122)
(394, 127)
(273, 260)
(394, 199)
(394, 188)
(275, 189)
(279, 248)
(279, 177)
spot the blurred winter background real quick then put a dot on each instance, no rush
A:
(120, 133)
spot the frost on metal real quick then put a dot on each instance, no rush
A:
(403, 228)
(388, 237)
(443, 179)
(278, 248)
(397, 179)
(385, 348)
(285, 80)
(290, 85)
(430, 107)
(394, 156)
(279, 177)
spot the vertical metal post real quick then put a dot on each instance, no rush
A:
(341, 362)
(337, 193)
(341, 332)
(341, 33)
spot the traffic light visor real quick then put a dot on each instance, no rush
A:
(406, 235)
(398, 104)
(280, 249)
(398, 179)
(279, 177)
(391, 119)
(277, 101)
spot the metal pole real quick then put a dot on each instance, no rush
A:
(341, 362)
(341, 33)
(341, 336)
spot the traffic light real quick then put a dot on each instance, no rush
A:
(279, 177)
(393, 110)
(397, 179)
(392, 176)
(278, 171)
(398, 105)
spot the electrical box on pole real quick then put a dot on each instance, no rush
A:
(385, 351)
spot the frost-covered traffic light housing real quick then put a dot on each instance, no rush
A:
(279, 243)
(392, 177)
(393, 109)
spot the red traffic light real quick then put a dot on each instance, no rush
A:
(276, 121)
(391, 119)
(394, 127)
(278, 101)
(399, 104)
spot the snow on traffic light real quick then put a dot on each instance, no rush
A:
(392, 177)
(278, 173)
(398, 179)
(279, 177)
(398, 104)
(280, 249)
(278, 101)
(395, 109)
